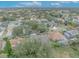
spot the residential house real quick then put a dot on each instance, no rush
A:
(43, 21)
(52, 23)
(10, 27)
(57, 36)
(54, 28)
(33, 17)
(76, 19)
(14, 23)
(70, 34)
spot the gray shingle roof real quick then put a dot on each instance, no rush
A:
(71, 33)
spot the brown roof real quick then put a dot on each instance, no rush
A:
(55, 35)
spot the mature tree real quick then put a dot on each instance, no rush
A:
(42, 28)
(7, 18)
(18, 31)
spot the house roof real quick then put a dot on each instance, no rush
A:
(71, 33)
(55, 36)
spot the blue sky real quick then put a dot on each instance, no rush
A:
(43, 4)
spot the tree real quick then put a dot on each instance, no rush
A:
(17, 31)
(49, 17)
(42, 28)
(8, 48)
(71, 23)
(33, 24)
(26, 28)
(7, 18)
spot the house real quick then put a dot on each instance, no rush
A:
(14, 23)
(53, 28)
(52, 23)
(57, 36)
(76, 19)
(71, 33)
(33, 17)
(7, 29)
(43, 21)
(3, 24)
(10, 27)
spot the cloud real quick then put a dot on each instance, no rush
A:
(37, 3)
(18, 6)
(75, 1)
(69, 2)
(56, 4)
(29, 4)
(64, 1)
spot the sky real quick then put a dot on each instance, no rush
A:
(39, 4)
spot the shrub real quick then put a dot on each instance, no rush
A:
(5, 18)
(42, 28)
(72, 24)
(32, 48)
(8, 48)
(33, 24)
(55, 44)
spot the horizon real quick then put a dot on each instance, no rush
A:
(39, 4)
